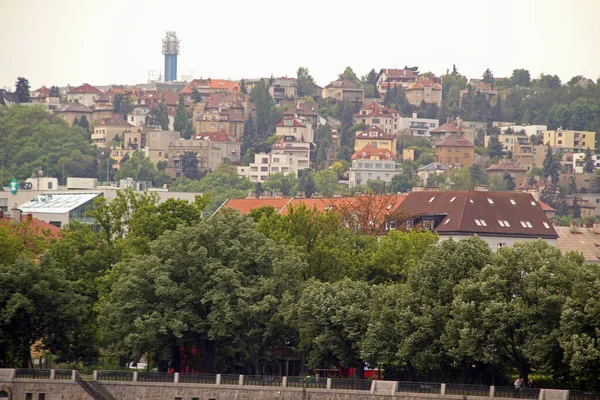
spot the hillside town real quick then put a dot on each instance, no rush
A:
(274, 225)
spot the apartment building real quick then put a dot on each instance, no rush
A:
(421, 127)
(570, 140)
(426, 89)
(376, 114)
(372, 163)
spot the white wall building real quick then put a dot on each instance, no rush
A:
(417, 126)
(578, 161)
(530, 130)
(266, 164)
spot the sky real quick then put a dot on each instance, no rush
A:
(62, 42)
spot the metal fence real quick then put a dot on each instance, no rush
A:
(262, 380)
(351, 384)
(24, 373)
(125, 376)
(581, 395)
(419, 387)
(230, 379)
(155, 377)
(467, 390)
(522, 393)
(307, 382)
(207, 379)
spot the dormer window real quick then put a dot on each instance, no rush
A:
(428, 225)
(288, 122)
(409, 224)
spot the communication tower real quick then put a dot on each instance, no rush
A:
(170, 48)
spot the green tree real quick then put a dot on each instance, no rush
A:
(280, 182)
(123, 104)
(182, 123)
(306, 183)
(576, 208)
(550, 167)
(332, 320)
(549, 81)
(495, 147)
(189, 165)
(511, 309)
(54, 91)
(521, 78)
(196, 96)
(509, 181)
(22, 90)
(138, 166)
(326, 182)
(478, 175)
(306, 83)
(262, 100)
(488, 77)
(243, 88)
(351, 76)
(588, 162)
(37, 307)
(158, 117)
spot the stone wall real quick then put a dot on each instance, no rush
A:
(54, 390)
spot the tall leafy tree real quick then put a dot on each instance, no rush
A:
(550, 167)
(158, 117)
(351, 76)
(488, 77)
(306, 83)
(588, 162)
(189, 165)
(139, 167)
(495, 147)
(22, 90)
(326, 182)
(264, 104)
(509, 181)
(123, 104)
(520, 77)
(196, 96)
(54, 91)
(182, 122)
(243, 88)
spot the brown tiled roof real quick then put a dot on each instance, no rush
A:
(424, 82)
(545, 206)
(295, 124)
(451, 127)
(400, 74)
(297, 108)
(342, 83)
(195, 84)
(369, 151)
(380, 134)
(584, 241)
(34, 226)
(376, 110)
(213, 136)
(458, 211)
(43, 92)
(109, 96)
(455, 140)
(85, 88)
(506, 165)
(77, 107)
(115, 120)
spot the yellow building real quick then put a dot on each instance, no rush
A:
(426, 89)
(455, 150)
(576, 141)
(377, 138)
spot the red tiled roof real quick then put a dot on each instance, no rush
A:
(109, 96)
(43, 92)
(85, 89)
(506, 165)
(424, 82)
(34, 226)
(380, 134)
(246, 205)
(195, 84)
(455, 140)
(213, 136)
(376, 110)
(399, 74)
(545, 206)
(295, 123)
(369, 151)
(115, 120)
(459, 212)
(451, 127)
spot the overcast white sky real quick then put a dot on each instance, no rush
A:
(119, 41)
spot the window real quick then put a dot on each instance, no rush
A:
(49, 185)
(178, 398)
(409, 224)
(514, 203)
(546, 225)
(500, 245)
(264, 169)
(275, 169)
(377, 165)
(276, 159)
(42, 396)
(431, 199)
(452, 199)
(428, 225)
(392, 225)
(466, 155)
(28, 396)
(295, 130)
(265, 160)
(528, 224)
(490, 201)
(503, 223)
(480, 222)
(457, 149)
(532, 202)
(471, 201)
(457, 159)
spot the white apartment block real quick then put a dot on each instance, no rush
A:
(578, 161)
(529, 130)
(417, 126)
(266, 164)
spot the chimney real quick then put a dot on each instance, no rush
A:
(596, 228)
(575, 226)
(16, 214)
(415, 115)
(29, 217)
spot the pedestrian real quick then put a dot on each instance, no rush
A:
(518, 386)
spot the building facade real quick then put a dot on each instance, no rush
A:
(573, 141)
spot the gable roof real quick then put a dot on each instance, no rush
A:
(295, 124)
(452, 127)
(41, 92)
(297, 109)
(115, 120)
(379, 134)
(77, 107)
(425, 81)
(399, 74)
(376, 110)
(369, 151)
(86, 88)
(246, 205)
(458, 211)
(109, 95)
(197, 84)
(455, 141)
(342, 83)
(434, 166)
(34, 226)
